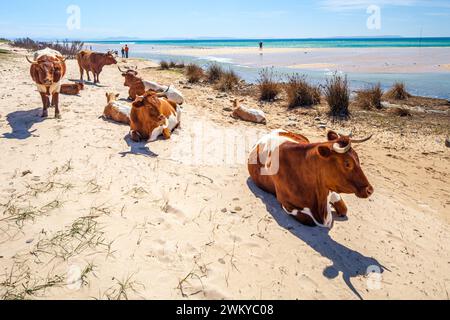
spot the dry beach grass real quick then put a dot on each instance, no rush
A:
(150, 221)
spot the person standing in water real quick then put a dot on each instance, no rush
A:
(261, 46)
(127, 50)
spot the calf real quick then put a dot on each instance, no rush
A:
(116, 111)
(153, 115)
(246, 114)
(72, 89)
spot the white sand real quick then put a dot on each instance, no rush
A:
(177, 228)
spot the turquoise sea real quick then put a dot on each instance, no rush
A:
(300, 43)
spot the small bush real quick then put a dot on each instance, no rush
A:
(164, 65)
(300, 93)
(214, 73)
(337, 94)
(194, 73)
(268, 87)
(370, 98)
(402, 112)
(228, 81)
(66, 48)
(398, 92)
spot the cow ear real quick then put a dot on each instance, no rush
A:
(117, 95)
(324, 151)
(332, 136)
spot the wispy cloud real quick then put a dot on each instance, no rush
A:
(345, 5)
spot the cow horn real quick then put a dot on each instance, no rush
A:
(161, 95)
(362, 140)
(28, 59)
(135, 68)
(121, 70)
(338, 149)
(168, 88)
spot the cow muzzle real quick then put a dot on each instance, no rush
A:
(366, 192)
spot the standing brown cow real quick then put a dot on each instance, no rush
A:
(94, 62)
(47, 70)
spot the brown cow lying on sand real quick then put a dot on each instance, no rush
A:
(116, 111)
(153, 115)
(308, 178)
(47, 70)
(94, 62)
(138, 87)
(246, 114)
(72, 89)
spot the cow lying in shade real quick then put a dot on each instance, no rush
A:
(115, 110)
(246, 114)
(153, 115)
(138, 87)
(308, 178)
(72, 89)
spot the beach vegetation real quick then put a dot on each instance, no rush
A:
(337, 95)
(370, 98)
(66, 48)
(214, 72)
(228, 81)
(164, 65)
(300, 93)
(398, 92)
(268, 87)
(194, 73)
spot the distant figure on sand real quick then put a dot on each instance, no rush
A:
(261, 46)
(123, 52)
(127, 50)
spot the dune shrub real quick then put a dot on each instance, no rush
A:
(268, 87)
(337, 95)
(300, 93)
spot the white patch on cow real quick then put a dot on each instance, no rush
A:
(259, 115)
(157, 132)
(122, 108)
(172, 93)
(334, 197)
(150, 85)
(54, 88)
(47, 52)
(328, 224)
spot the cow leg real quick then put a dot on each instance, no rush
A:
(167, 133)
(338, 204)
(55, 103)
(45, 104)
(88, 76)
(81, 75)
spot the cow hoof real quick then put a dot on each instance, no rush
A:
(44, 114)
(58, 116)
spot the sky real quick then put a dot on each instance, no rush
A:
(149, 19)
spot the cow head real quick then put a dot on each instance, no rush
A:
(130, 76)
(80, 86)
(47, 70)
(342, 167)
(151, 104)
(109, 59)
(111, 97)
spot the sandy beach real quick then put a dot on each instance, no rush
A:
(87, 214)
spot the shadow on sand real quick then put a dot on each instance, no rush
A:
(351, 263)
(21, 123)
(138, 149)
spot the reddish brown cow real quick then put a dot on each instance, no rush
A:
(307, 178)
(94, 62)
(72, 89)
(153, 116)
(47, 70)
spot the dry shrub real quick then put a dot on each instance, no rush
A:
(268, 87)
(228, 81)
(214, 73)
(369, 98)
(164, 65)
(337, 94)
(194, 73)
(401, 112)
(398, 92)
(300, 93)
(176, 65)
(66, 48)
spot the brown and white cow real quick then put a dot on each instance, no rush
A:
(153, 115)
(71, 89)
(138, 87)
(47, 70)
(115, 110)
(94, 62)
(308, 178)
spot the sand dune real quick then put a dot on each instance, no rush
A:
(86, 213)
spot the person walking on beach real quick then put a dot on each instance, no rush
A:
(123, 52)
(261, 45)
(127, 50)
